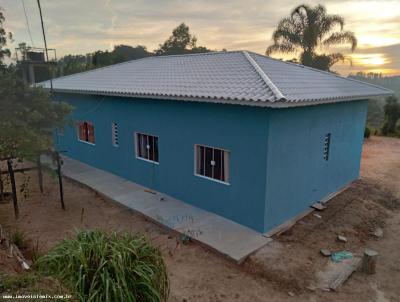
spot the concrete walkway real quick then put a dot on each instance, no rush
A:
(223, 235)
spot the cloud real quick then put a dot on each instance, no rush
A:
(79, 27)
(385, 59)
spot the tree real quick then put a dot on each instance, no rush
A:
(71, 64)
(4, 36)
(180, 42)
(306, 29)
(102, 58)
(392, 116)
(397, 127)
(28, 118)
(123, 53)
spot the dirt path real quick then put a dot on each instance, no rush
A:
(287, 270)
(381, 162)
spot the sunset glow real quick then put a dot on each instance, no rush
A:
(374, 59)
(231, 25)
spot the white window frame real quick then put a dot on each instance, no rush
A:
(114, 134)
(210, 178)
(136, 136)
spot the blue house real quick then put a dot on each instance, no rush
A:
(253, 139)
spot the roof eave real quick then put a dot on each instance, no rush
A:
(280, 103)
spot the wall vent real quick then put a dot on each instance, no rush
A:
(114, 134)
(327, 145)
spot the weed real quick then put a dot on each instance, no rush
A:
(18, 238)
(35, 253)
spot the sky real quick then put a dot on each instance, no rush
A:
(80, 27)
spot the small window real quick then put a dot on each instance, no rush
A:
(212, 163)
(327, 145)
(114, 134)
(147, 147)
(86, 132)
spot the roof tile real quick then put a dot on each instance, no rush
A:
(230, 77)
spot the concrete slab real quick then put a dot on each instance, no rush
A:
(220, 234)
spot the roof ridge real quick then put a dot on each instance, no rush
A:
(322, 71)
(275, 90)
(214, 52)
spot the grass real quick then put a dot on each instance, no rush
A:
(18, 238)
(102, 266)
(31, 282)
(14, 282)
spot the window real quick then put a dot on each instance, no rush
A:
(114, 134)
(327, 145)
(212, 163)
(147, 147)
(86, 132)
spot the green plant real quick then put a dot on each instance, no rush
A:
(392, 115)
(18, 238)
(33, 283)
(108, 267)
(11, 282)
(35, 252)
(367, 132)
(397, 127)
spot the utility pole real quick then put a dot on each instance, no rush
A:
(47, 56)
(45, 47)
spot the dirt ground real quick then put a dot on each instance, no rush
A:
(288, 269)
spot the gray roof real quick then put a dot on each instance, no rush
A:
(236, 77)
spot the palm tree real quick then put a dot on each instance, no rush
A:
(308, 28)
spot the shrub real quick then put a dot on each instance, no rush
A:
(108, 267)
(397, 128)
(367, 132)
(392, 114)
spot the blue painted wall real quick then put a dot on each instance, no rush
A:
(179, 125)
(276, 155)
(297, 174)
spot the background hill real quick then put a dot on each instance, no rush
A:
(375, 107)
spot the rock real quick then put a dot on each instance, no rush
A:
(318, 206)
(291, 294)
(318, 216)
(325, 252)
(342, 238)
(311, 288)
(378, 233)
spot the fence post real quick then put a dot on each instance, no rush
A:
(60, 180)
(14, 190)
(1, 185)
(40, 174)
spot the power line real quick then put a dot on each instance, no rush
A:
(27, 23)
